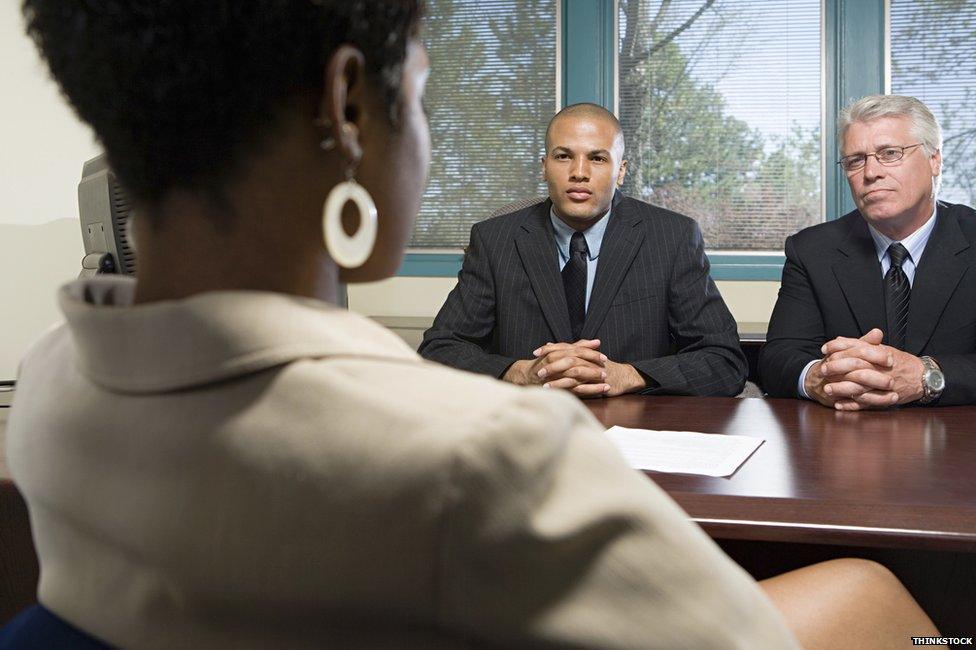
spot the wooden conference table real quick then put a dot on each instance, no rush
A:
(900, 479)
(895, 486)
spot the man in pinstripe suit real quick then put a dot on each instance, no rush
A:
(590, 290)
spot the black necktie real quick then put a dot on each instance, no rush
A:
(574, 282)
(897, 295)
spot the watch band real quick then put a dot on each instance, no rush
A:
(931, 376)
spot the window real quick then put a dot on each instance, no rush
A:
(933, 58)
(490, 95)
(720, 105)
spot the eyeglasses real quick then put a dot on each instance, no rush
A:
(886, 156)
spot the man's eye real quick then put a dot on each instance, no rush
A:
(561, 156)
(599, 159)
(889, 152)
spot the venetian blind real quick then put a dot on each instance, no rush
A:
(720, 105)
(933, 58)
(491, 93)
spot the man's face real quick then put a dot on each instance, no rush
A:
(895, 198)
(582, 168)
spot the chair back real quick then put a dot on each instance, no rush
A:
(515, 206)
(18, 561)
(40, 628)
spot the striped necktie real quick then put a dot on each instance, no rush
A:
(574, 282)
(898, 292)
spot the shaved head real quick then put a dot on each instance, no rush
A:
(584, 163)
(588, 111)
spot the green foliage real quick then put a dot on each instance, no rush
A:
(934, 59)
(687, 153)
(489, 98)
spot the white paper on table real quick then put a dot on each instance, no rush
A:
(683, 452)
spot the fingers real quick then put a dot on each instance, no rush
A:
(593, 356)
(874, 337)
(869, 400)
(839, 366)
(877, 398)
(878, 355)
(573, 368)
(865, 395)
(591, 390)
(838, 344)
(590, 344)
(857, 371)
(580, 388)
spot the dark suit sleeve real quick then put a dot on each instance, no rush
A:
(708, 358)
(960, 375)
(796, 330)
(463, 329)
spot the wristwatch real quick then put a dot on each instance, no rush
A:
(933, 381)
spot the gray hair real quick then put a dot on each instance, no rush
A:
(925, 127)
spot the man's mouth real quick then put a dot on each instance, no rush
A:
(578, 193)
(875, 193)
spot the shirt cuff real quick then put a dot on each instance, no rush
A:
(801, 391)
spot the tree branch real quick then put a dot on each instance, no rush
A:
(685, 25)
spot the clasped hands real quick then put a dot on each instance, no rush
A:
(579, 367)
(862, 373)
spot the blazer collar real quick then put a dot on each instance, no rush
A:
(620, 245)
(536, 247)
(937, 275)
(858, 272)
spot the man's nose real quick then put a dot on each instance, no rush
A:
(873, 169)
(580, 170)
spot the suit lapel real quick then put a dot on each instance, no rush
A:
(621, 241)
(537, 249)
(937, 275)
(858, 273)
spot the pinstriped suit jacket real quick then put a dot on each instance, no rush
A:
(653, 304)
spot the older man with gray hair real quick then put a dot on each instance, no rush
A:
(878, 308)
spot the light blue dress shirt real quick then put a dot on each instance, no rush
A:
(594, 239)
(914, 243)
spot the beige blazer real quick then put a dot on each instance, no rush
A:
(242, 469)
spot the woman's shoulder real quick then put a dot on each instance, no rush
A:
(433, 404)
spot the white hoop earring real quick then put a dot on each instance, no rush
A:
(349, 252)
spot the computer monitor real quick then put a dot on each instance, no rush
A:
(105, 210)
(105, 213)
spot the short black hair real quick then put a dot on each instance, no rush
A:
(585, 109)
(179, 92)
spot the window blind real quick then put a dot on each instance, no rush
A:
(720, 105)
(933, 58)
(490, 95)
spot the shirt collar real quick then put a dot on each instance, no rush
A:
(914, 243)
(593, 234)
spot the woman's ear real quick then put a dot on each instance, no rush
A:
(342, 106)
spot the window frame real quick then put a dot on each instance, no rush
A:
(855, 61)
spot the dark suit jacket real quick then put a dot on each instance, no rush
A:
(832, 286)
(653, 304)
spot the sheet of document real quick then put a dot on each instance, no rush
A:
(683, 452)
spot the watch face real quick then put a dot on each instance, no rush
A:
(936, 381)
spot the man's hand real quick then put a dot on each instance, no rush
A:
(615, 379)
(862, 373)
(578, 365)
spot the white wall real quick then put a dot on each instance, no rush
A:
(750, 302)
(42, 148)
